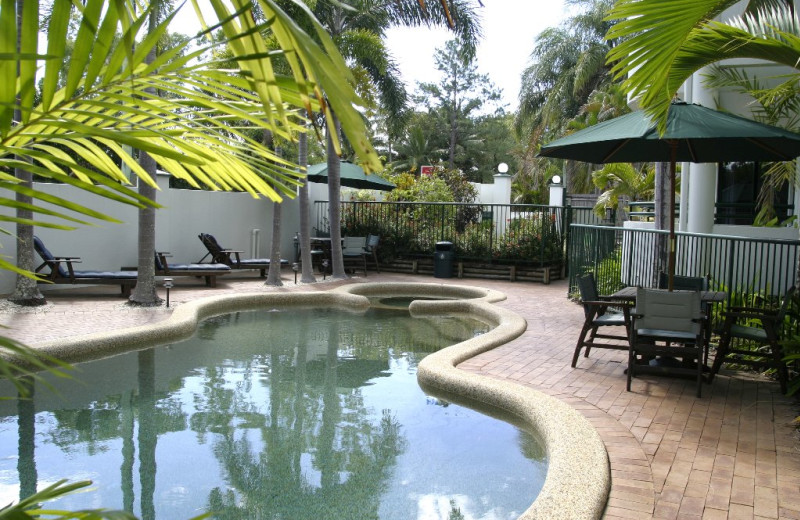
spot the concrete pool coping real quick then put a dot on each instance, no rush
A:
(578, 478)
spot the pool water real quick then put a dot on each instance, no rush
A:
(292, 414)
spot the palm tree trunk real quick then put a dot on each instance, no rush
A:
(274, 274)
(145, 291)
(335, 206)
(26, 291)
(307, 273)
(663, 211)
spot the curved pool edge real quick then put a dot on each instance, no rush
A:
(183, 323)
(578, 477)
(429, 290)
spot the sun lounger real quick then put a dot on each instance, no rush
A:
(62, 271)
(232, 258)
(207, 271)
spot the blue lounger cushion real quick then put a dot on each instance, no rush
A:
(204, 268)
(114, 275)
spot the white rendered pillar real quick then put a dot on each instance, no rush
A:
(502, 188)
(702, 178)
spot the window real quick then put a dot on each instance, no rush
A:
(738, 186)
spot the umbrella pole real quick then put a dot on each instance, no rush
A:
(673, 147)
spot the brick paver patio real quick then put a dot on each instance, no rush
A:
(734, 453)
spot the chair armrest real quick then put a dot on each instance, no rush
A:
(750, 313)
(73, 259)
(610, 303)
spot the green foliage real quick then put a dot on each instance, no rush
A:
(530, 237)
(29, 508)
(413, 229)
(608, 273)
(567, 86)
(425, 188)
(622, 179)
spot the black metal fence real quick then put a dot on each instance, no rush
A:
(516, 234)
(634, 257)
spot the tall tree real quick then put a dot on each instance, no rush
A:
(144, 293)
(358, 28)
(186, 131)
(461, 93)
(26, 291)
(567, 65)
(307, 272)
(274, 273)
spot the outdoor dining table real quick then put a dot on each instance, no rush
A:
(629, 294)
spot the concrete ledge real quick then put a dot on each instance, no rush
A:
(578, 475)
(183, 323)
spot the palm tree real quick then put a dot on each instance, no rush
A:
(307, 273)
(144, 293)
(103, 103)
(622, 180)
(358, 28)
(662, 44)
(26, 291)
(568, 65)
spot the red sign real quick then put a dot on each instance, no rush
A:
(426, 170)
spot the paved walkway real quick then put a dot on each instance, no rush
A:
(731, 454)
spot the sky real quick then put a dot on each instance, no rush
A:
(509, 30)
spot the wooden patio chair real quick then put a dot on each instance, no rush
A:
(600, 312)
(667, 325)
(758, 326)
(692, 283)
(354, 253)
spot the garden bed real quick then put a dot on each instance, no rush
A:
(477, 269)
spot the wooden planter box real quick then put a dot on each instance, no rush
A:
(475, 269)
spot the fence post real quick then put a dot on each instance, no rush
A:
(491, 231)
(441, 220)
(566, 226)
(731, 256)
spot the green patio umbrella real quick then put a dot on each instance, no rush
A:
(352, 176)
(693, 133)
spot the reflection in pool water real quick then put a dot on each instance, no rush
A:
(301, 413)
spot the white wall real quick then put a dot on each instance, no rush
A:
(230, 217)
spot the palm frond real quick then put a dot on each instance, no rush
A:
(650, 35)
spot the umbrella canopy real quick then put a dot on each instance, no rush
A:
(352, 176)
(693, 133)
(700, 134)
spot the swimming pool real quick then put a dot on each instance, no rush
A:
(291, 413)
(574, 450)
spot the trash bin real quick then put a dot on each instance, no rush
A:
(443, 260)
